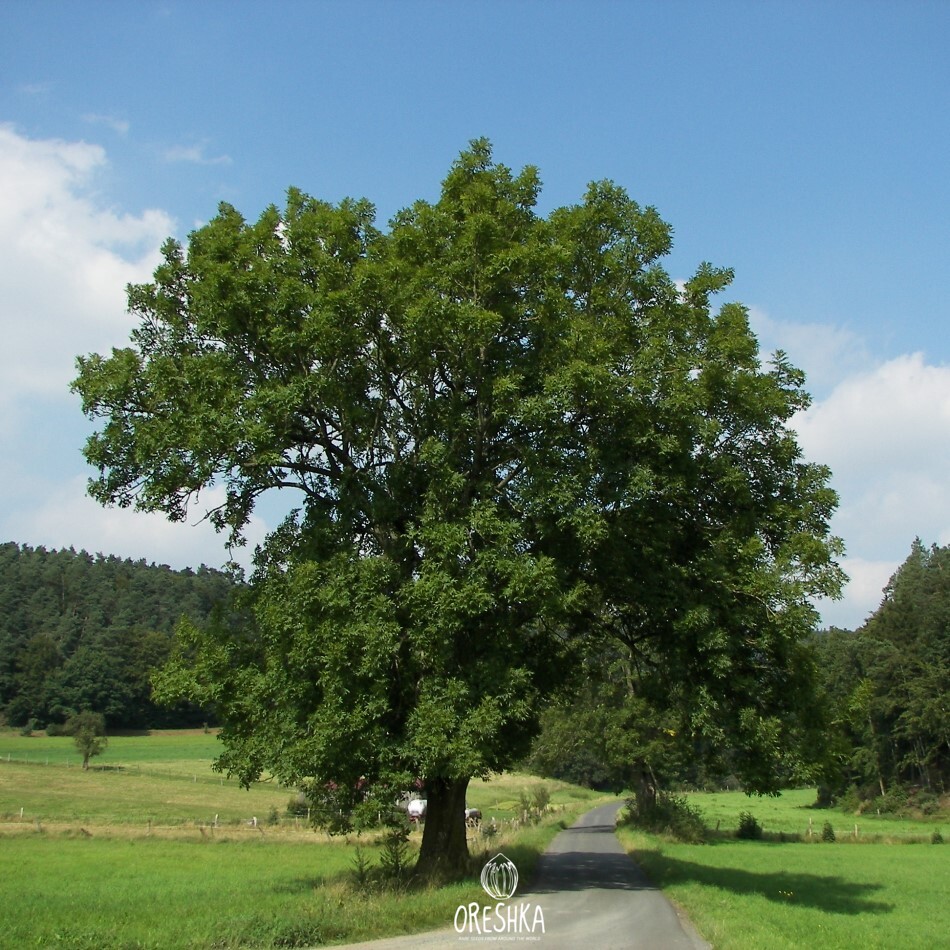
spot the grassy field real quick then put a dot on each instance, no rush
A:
(163, 778)
(174, 750)
(758, 895)
(126, 855)
(166, 779)
(792, 813)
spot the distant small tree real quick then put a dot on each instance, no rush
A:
(88, 731)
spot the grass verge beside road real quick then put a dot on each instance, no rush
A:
(102, 892)
(759, 895)
(793, 813)
(109, 888)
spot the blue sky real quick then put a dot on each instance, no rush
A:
(803, 144)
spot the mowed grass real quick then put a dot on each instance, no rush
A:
(163, 778)
(758, 895)
(172, 750)
(80, 892)
(116, 888)
(128, 857)
(791, 813)
(166, 777)
(53, 793)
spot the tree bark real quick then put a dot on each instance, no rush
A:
(444, 851)
(646, 789)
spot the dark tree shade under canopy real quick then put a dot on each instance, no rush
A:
(513, 438)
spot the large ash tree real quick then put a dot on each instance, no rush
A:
(515, 441)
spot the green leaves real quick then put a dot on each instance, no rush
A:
(88, 732)
(509, 435)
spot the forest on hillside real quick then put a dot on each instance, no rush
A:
(85, 632)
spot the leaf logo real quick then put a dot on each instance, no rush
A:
(500, 878)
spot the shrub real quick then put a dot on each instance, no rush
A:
(361, 868)
(669, 815)
(533, 804)
(827, 832)
(88, 730)
(541, 798)
(749, 827)
(850, 801)
(489, 829)
(893, 802)
(297, 807)
(825, 797)
(524, 807)
(925, 802)
(936, 838)
(396, 855)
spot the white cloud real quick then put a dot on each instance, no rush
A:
(885, 433)
(66, 516)
(824, 352)
(119, 126)
(35, 88)
(863, 594)
(883, 427)
(895, 417)
(194, 154)
(65, 260)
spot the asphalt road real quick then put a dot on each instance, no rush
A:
(590, 894)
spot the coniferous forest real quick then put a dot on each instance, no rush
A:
(85, 632)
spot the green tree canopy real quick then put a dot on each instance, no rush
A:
(88, 730)
(512, 437)
(889, 681)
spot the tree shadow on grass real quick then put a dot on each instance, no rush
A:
(302, 885)
(833, 895)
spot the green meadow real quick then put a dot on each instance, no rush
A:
(152, 849)
(166, 779)
(792, 813)
(884, 888)
(173, 750)
(162, 779)
(128, 855)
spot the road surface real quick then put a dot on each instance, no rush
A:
(590, 893)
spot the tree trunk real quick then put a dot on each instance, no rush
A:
(877, 757)
(85, 761)
(646, 789)
(444, 851)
